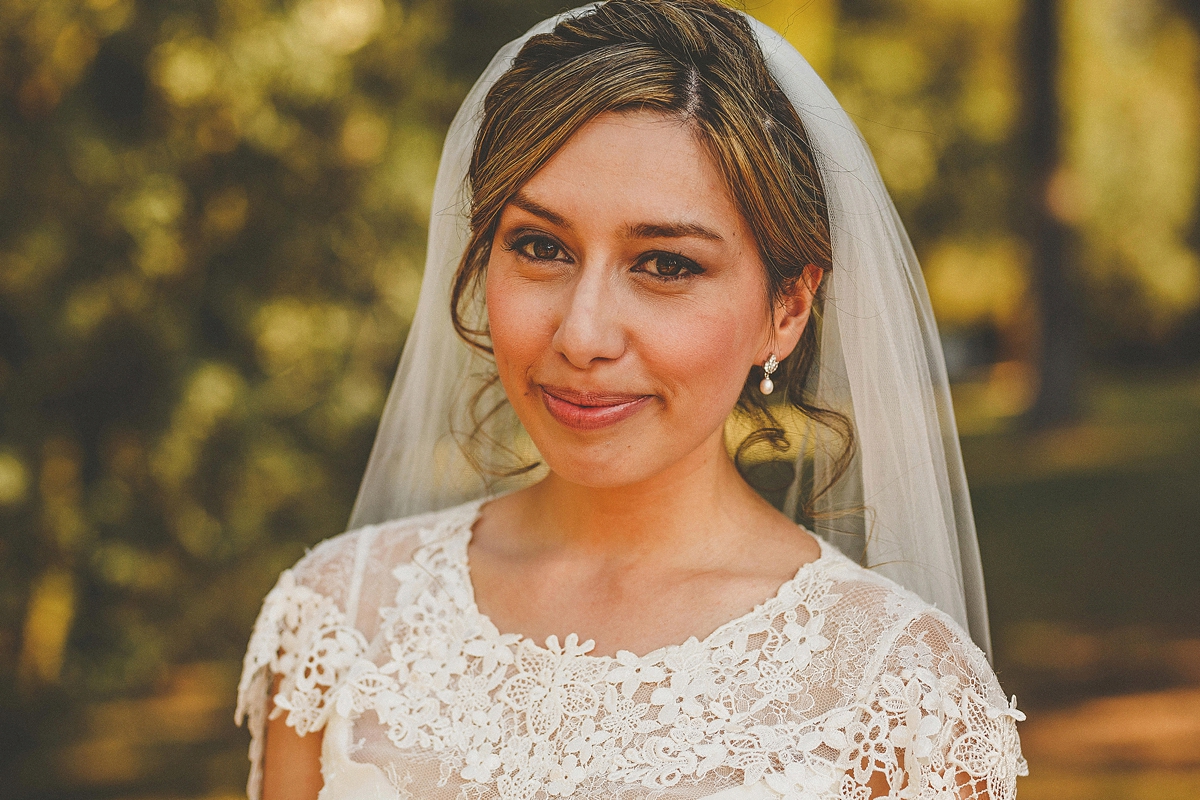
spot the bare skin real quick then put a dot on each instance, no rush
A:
(645, 585)
(291, 763)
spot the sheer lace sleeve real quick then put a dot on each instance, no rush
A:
(305, 635)
(939, 726)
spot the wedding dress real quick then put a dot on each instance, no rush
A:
(840, 676)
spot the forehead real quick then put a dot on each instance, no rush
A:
(630, 167)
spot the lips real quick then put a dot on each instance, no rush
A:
(587, 411)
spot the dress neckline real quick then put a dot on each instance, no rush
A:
(455, 547)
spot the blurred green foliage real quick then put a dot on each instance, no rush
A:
(210, 250)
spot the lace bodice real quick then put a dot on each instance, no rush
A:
(842, 685)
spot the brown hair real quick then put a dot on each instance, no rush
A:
(695, 60)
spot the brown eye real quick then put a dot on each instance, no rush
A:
(544, 249)
(536, 247)
(668, 265)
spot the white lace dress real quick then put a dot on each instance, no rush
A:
(841, 676)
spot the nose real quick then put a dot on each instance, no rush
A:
(590, 328)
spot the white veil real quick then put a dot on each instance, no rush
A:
(879, 362)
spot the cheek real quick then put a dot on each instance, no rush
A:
(703, 355)
(520, 324)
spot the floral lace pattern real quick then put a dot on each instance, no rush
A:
(840, 686)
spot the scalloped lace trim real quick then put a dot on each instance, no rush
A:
(303, 637)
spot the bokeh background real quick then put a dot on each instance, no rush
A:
(212, 220)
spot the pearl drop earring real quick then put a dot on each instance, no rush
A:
(766, 387)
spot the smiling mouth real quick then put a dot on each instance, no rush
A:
(587, 411)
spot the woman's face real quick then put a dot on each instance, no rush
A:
(627, 302)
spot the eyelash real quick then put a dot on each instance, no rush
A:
(518, 245)
(687, 267)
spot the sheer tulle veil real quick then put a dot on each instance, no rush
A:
(903, 508)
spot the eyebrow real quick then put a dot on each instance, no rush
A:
(671, 230)
(642, 230)
(526, 203)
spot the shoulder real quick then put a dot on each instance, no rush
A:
(337, 566)
(898, 632)
(928, 689)
(343, 582)
(917, 704)
(938, 696)
(318, 619)
(896, 608)
(857, 591)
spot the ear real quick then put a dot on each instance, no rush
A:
(792, 312)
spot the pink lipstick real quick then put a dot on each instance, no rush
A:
(589, 411)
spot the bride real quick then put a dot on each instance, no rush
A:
(656, 240)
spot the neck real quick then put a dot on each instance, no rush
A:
(691, 508)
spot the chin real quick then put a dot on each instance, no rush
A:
(598, 468)
(625, 458)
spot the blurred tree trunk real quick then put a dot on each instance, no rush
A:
(1190, 9)
(1058, 356)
